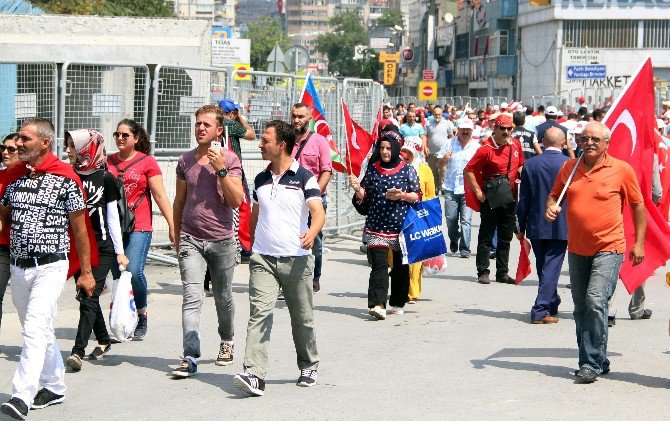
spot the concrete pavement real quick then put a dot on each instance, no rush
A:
(465, 351)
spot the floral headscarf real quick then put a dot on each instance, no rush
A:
(90, 148)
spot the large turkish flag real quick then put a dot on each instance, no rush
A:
(634, 140)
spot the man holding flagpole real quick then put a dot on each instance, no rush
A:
(601, 186)
(312, 151)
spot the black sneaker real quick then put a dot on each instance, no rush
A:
(15, 408)
(611, 321)
(225, 356)
(586, 375)
(492, 254)
(484, 278)
(141, 329)
(307, 378)
(280, 296)
(250, 384)
(186, 369)
(74, 362)
(99, 352)
(506, 280)
(646, 314)
(46, 397)
(316, 286)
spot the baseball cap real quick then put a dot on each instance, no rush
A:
(465, 123)
(579, 128)
(227, 105)
(552, 111)
(413, 143)
(504, 105)
(661, 124)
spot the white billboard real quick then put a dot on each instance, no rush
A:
(230, 51)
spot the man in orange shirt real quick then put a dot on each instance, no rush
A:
(596, 243)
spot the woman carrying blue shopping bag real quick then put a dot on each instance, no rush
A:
(386, 191)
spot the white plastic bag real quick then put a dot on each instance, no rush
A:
(122, 311)
(435, 265)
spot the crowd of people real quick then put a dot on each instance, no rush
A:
(507, 162)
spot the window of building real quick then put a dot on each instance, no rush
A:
(600, 33)
(656, 34)
(462, 46)
(204, 8)
(498, 43)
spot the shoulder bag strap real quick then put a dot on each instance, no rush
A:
(297, 155)
(509, 163)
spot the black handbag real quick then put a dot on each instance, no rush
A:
(498, 190)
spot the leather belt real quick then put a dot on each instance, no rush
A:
(31, 262)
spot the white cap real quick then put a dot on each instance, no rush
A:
(504, 105)
(465, 123)
(496, 108)
(552, 111)
(468, 110)
(413, 143)
(579, 128)
(661, 124)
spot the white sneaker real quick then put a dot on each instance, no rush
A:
(377, 312)
(396, 310)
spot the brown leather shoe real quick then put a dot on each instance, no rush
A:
(545, 320)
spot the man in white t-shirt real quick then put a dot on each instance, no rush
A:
(284, 194)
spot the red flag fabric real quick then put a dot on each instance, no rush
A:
(523, 269)
(310, 98)
(471, 200)
(663, 151)
(359, 142)
(375, 128)
(633, 124)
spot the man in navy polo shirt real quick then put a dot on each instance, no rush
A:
(284, 196)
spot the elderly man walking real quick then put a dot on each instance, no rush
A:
(43, 198)
(600, 188)
(549, 239)
(455, 154)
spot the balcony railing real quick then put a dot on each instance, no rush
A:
(500, 65)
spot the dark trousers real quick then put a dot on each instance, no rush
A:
(317, 248)
(90, 313)
(503, 218)
(549, 255)
(379, 278)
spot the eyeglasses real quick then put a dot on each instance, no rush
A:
(117, 135)
(10, 149)
(508, 129)
(586, 139)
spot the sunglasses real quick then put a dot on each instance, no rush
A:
(122, 135)
(509, 129)
(10, 149)
(586, 139)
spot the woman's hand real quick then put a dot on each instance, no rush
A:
(395, 194)
(354, 183)
(122, 260)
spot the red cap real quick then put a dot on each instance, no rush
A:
(504, 120)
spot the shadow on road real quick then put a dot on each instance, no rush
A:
(561, 371)
(359, 262)
(522, 317)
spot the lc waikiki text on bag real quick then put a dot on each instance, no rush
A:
(421, 237)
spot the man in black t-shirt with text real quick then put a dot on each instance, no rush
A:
(526, 137)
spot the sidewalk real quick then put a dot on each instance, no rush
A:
(465, 351)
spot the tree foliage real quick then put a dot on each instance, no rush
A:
(149, 8)
(264, 34)
(339, 44)
(389, 18)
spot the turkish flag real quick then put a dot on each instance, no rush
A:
(471, 200)
(663, 151)
(523, 268)
(359, 142)
(634, 140)
(375, 128)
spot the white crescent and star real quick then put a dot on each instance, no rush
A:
(626, 119)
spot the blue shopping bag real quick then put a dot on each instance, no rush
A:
(421, 237)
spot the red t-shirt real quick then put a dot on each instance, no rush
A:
(491, 159)
(136, 182)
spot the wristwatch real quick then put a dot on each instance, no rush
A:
(222, 172)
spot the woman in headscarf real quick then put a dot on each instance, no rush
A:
(411, 154)
(389, 186)
(86, 151)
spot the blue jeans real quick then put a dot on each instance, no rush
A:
(136, 249)
(317, 248)
(456, 211)
(593, 280)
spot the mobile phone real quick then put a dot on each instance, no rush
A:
(216, 146)
(81, 295)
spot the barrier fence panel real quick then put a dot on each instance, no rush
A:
(98, 95)
(178, 93)
(27, 90)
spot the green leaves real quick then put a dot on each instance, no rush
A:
(264, 34)
(153, 8)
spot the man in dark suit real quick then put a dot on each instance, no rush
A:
(548, 239)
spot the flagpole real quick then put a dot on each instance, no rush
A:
(567, 183)
(304, 86)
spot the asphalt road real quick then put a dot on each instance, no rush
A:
(465, 351)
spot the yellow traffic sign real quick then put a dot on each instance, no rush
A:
(384, 57)
(427, 91)
(239, 74)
